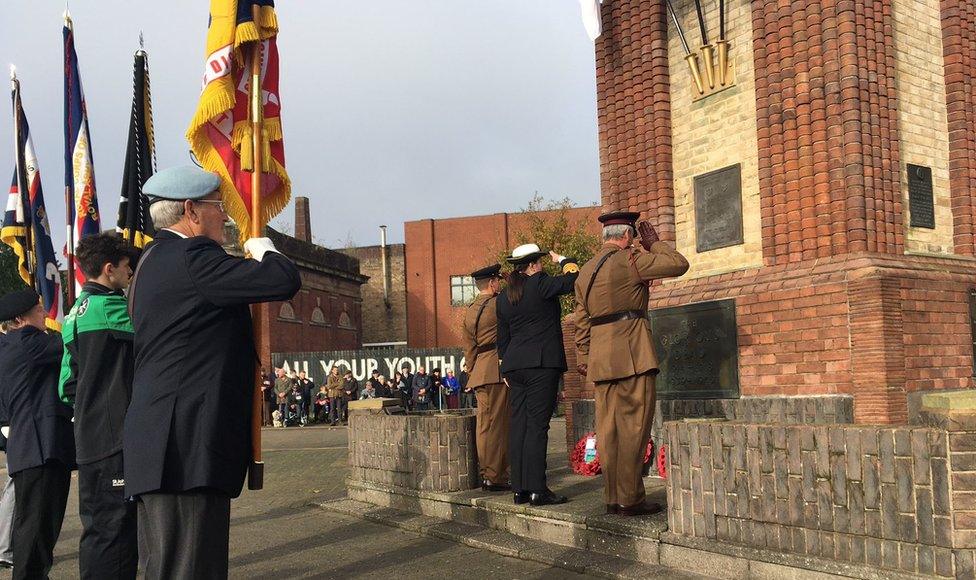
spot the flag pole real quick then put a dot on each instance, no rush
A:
(22, 182)
(68, 201)
(255, 478)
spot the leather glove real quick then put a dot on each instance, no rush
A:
(582, 368)
(648, 235)
(258, 247)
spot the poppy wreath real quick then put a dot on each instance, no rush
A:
(577, 459)
(662, 462)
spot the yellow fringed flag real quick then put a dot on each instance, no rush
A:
(220, 134)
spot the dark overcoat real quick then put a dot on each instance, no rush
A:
(188, 426)
(40, 424)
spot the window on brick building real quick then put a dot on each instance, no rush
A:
(463, 290)
(287, 312)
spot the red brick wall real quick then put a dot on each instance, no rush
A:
(439, 249)
(959, 50)
(829, 172)
(634, 111)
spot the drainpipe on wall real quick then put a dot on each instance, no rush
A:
(385, 266)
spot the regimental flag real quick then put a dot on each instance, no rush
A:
(140, 160)
(29, 230)
(79, 165)
(220, 134)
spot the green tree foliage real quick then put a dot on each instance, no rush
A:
(9, 276)
(552, 227)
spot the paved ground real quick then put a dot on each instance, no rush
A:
(275, 533)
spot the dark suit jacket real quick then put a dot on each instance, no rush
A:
(40, 424)
(529, 333)
(188, 425)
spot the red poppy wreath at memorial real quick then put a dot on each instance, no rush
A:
(585, 461)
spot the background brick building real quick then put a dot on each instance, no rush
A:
(326, 314)
(441, 253)
(384, 307)
(837, 288)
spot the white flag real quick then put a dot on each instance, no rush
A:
(591, 18)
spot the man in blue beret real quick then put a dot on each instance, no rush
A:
(40, 444)
(187, 438)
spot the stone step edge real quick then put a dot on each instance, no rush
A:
(507, 544)
(481, 502)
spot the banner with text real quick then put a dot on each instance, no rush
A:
(363, 362)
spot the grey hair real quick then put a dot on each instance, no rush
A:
(616, 231)
(165, 213)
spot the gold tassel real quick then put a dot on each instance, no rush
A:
(247, 150)
(265, 152)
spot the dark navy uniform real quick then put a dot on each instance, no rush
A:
(41, 447)
(187, 437)
(530, 349)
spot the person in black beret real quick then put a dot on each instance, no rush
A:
(532, 360)
(40, 439)
(479, 331)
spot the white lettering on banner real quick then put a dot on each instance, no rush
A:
(218, 65)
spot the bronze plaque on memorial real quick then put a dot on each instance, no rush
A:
(921, 203)
(718, 208)
(698, 351)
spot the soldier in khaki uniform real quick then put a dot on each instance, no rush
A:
(615, 351)
(479, 331)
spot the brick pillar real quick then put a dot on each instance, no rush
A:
(959, 50)
(877, 351)
(634, 95)
(303, 222)
(829, 172)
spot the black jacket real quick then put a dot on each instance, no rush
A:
(40, 424)
(530, 333)
(96, 370)
(188, 425)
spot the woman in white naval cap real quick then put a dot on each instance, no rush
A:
(530, 352)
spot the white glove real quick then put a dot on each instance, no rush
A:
(5, 431)
(258, 247)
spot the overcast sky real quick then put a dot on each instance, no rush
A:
(393, 110)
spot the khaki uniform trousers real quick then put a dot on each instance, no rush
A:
(492, 431)
(624, 417)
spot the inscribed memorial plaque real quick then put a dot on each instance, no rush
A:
(921, 203)
(698, 351)
(718, 208)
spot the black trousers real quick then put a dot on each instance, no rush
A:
(109, 543)
(42, 496)
(184, 535)
(532, 400)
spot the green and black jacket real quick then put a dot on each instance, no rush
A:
(96, 370)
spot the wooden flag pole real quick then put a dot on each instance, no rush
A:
(255, 478)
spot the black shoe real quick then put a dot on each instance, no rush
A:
(546, 498)
(521, 497)
(613, 508)
(487, 485)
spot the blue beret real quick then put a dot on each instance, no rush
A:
(179, 183)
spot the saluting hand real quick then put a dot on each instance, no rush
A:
(556, 258)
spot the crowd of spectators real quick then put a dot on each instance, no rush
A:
(292, 399)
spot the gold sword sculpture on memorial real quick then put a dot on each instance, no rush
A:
(715, 71)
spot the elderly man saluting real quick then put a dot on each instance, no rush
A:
(187, 440)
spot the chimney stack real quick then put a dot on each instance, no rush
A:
(303, 223)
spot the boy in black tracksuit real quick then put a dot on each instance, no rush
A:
(96, 377)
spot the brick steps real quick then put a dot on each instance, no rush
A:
(506, 543)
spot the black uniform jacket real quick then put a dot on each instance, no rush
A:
(40, 424)
(188, 425)
(529, 333)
